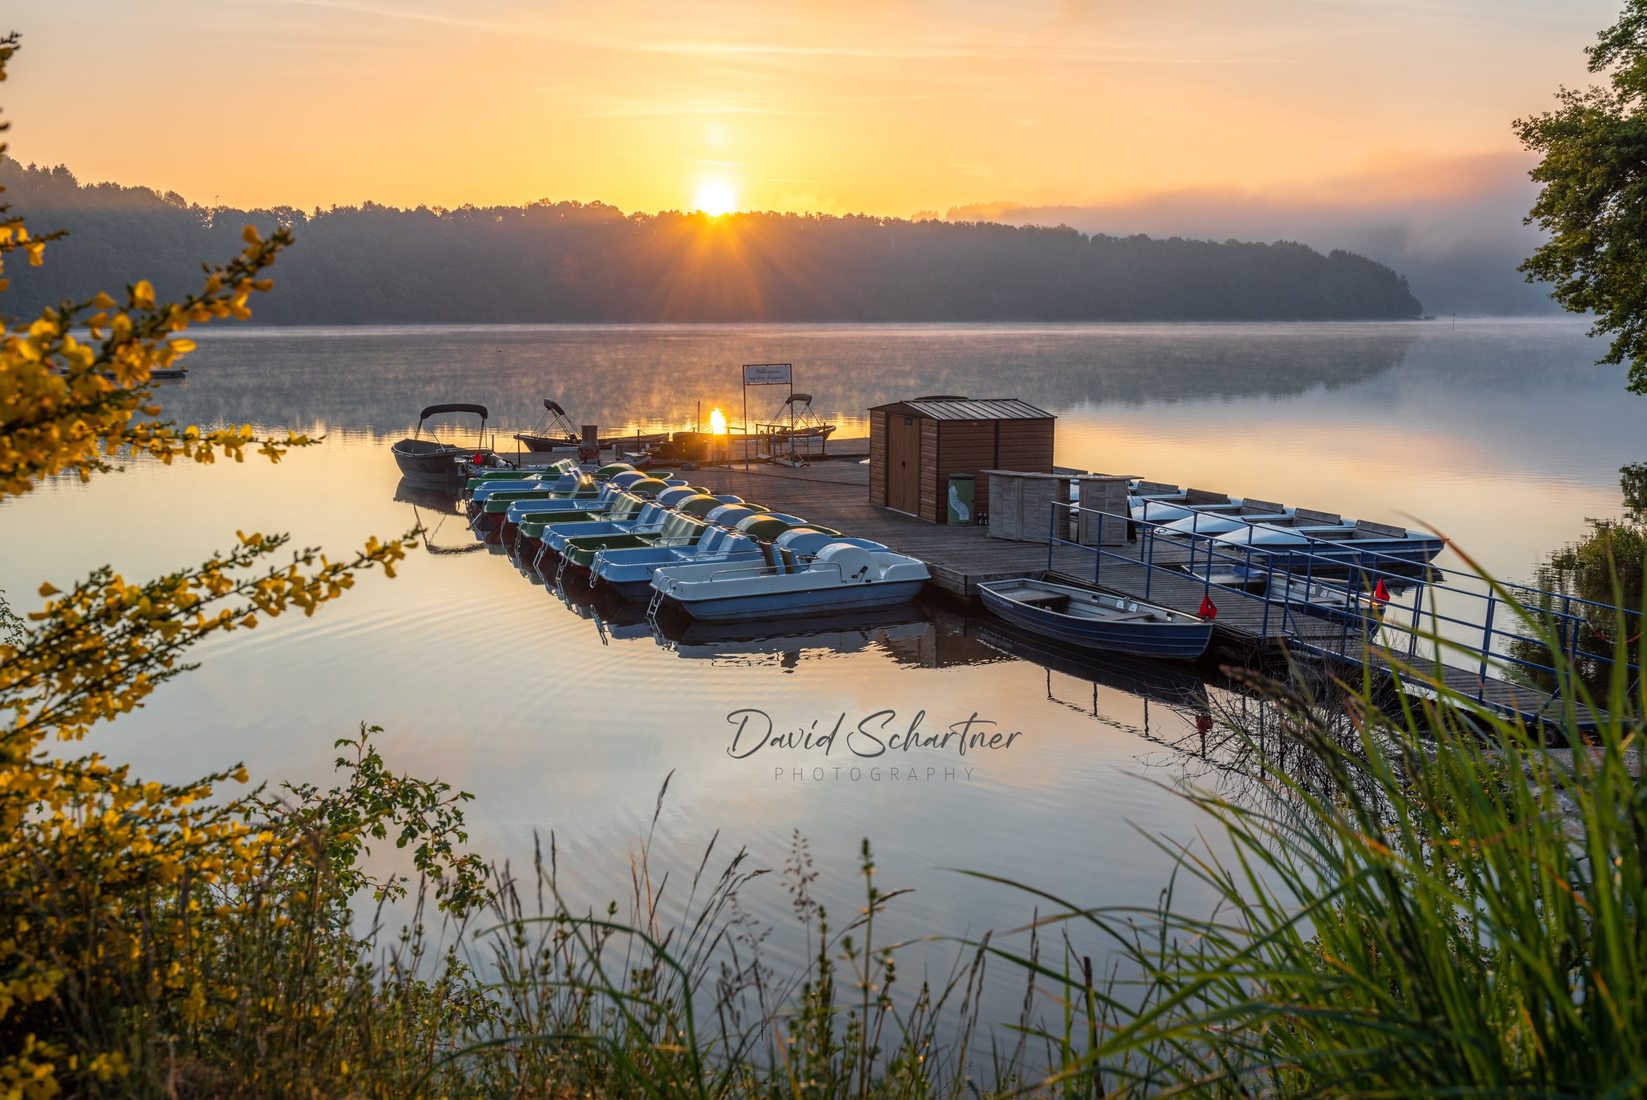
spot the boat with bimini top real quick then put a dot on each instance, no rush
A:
(432, 462)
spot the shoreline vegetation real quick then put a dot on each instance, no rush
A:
(1418, 897)
(590, 262)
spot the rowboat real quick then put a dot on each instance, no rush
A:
(1093, 620)
(1339, 545)
(432, 462)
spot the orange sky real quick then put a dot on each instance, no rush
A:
(888, 107)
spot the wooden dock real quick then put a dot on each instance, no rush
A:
(1248, 627)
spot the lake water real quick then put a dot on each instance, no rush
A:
(1503, 434)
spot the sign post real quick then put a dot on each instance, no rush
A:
(767, 374)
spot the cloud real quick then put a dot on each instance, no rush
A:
(1452, 225)
(402, 14)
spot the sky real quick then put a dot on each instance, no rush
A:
(1104, 115)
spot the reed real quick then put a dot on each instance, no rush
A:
(1418, 898)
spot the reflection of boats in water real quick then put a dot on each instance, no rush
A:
(1173, 685)
(444, 503)
(847, 632)
(843, 632)
(428, 498)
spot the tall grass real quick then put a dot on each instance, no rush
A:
(1460, 911)
(1418, 898)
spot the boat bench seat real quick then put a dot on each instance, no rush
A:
(1136, 617)
(1309, 516)
(1049, 602)
(1364, 528)
(1204, 496)
(1251, 507)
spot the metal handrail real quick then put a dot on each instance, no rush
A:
(1509, 586)
(1285, 569)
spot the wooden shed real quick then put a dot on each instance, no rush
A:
(915, 445)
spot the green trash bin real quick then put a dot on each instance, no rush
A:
(961, 489)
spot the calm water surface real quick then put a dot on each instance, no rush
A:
(1504, 435)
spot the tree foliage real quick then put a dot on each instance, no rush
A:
(1593, 201)
(575, 262)
(151, 933)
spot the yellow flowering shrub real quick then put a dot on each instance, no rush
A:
(168, 938)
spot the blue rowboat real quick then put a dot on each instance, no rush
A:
(1094, 620)
(1299, 548)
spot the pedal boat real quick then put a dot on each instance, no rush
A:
(840, 577)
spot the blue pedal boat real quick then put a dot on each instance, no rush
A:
(624, 518)
(765, 540)
(840, 577)
(1093, 620)
(549, 472)
(531, 524)
(736, 533)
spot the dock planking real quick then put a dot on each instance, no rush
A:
(835, 494)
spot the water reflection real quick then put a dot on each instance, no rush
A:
(376, 379)
(483, 675)
(1594, 602)
(1213, 733)
(439, 514)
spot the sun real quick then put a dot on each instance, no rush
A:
(716, 197)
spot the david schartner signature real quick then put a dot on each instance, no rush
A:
(876, 736)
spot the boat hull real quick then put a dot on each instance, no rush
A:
(430, 465)
(1177, 641)
(1362, 554)
(863, 597)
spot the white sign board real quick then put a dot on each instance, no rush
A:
(766, 374)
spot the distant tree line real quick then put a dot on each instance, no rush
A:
(569, 261)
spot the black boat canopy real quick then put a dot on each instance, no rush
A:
(553, 407)
(433, 410)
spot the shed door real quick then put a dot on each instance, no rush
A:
(903, 463)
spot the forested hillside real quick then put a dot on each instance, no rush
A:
(569, 261)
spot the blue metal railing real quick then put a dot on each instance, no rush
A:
(1451, 617)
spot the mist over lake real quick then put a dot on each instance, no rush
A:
(1503, 434)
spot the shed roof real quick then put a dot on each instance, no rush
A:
(967, 408)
